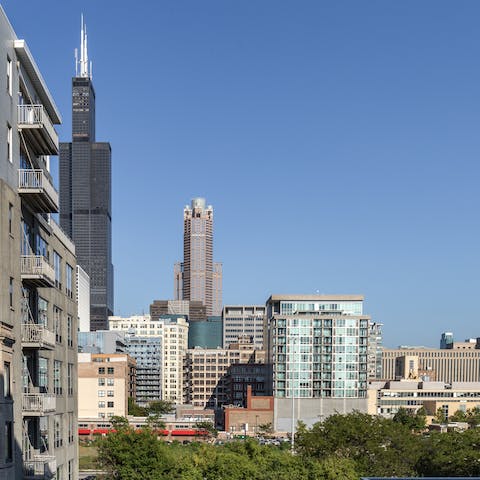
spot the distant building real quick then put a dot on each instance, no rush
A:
(83, 299)
(375, 348)
(239, 320)
(318, 348)
(105, 383)
(206, 373)
(446, 341)
(241, 377)
(198, 277)
(173, 332)
(205, 333)
(147, 352)
(436, 364)
(193, 309)
(102, 341)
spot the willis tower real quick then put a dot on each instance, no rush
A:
(86, 192)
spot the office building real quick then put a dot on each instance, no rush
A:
(198, 277)
(193, 309)
(147, 352)
(105, 383)
(38, 365)
(206, 372)
(318, 346)
(446, 340)
(375, 348)
(102, 341)
(206, 333)
(173, 332)
(239, 320)
(435, 364)
(85, 193)
(83, 299)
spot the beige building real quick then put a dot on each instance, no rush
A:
(173, 330)
(198, 277)
(241, 320)
(38, 310)
(205, 372)
(443, 365)
(105, 383)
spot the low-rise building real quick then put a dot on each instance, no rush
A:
(105, 383)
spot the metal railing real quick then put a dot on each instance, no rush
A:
(36, 265)
(39, 402)
(33, 115)
(34, 333)
(40, 466)
(29, 179)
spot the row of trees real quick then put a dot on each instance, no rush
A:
(342, 447)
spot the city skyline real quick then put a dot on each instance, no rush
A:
(361, 142)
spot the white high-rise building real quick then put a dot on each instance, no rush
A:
(83, 299)
(173, 331)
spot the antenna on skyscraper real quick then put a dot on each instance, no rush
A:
(83, 63)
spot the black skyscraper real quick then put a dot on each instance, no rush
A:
(85, 194)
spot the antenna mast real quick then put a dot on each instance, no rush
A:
(83, 67)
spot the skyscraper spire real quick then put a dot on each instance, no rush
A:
(83, 63)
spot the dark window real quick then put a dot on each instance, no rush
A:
(10, 292)
(10, 217)
(8, 442)
(6, 380)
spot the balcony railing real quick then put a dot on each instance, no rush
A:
(38, 404)
(36, 269)
(40, 466)
(37, 336)
(35, 185)
(34, 119)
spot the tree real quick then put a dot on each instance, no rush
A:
(208, 427)
(265, 429)
(440, 417)
(155, 422)
(415, 421)
(135, 410)
(160, 407)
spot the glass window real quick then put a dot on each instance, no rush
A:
(69, 330)
(110, 381)
(10, 292)
(109, 404)
(101, 370)
(68, 280)
(9, 143)
(8, 457)
(9, 76)
(70, 378)
(42, 312)
(41, 246)
(10, 218)
(58, 431)
(6, 380)
(110, 370)
(101, 393)
(57, 264)
(101, 404)
(57, 377)
(101, 382)
(57, 322)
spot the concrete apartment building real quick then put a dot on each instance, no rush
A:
(86, 193)
(435, 364)
(240, 320)
(102, 341)
(105, 383)
(206, 380)
(317, 345)
(38, 365)
(198, 277)
(173, 332)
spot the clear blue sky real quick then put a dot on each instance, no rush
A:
(339, 143)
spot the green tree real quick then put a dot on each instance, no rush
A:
(440, 417)
(415, 421)
(155, 422)
(134, 409)
(160, 407)
(208, 427)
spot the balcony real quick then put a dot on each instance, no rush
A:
(36, 187)
(36, 125)
(38, 404)
(36, 270)
(39, 466)
(37, 336)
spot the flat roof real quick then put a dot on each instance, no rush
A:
(317, 298)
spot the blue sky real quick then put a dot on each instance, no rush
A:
(337, 141)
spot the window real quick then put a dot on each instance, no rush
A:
(70, 470)
(10, 218)
(101, 393)
(110, 382)
(10, 292)
(42, 312)
(101, 415)
(101, 382)
(101, 371)
(9, 75)
(69, 330)
(8, 457)
(9, 144)
(41, 246)
(71, 429)
(109, 404)
(101, 404)
(58, 431)
(110, 393)
(110, 370)
(68, 280)
(6, 380)
(70, 378)
(57, 323)
(57, 263)
(57, 377)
